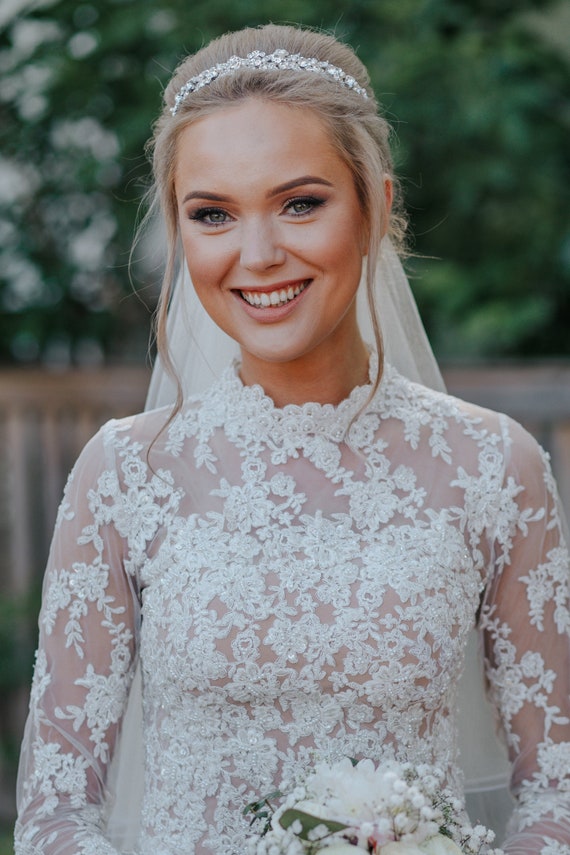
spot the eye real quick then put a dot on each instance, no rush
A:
(211, 216)
(302, 205)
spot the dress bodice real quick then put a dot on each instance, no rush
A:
(307, 578)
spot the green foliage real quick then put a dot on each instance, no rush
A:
(18, 617)
(261, 811)
(481, 110)
(6, 844)
(308, 823)
(17, 641)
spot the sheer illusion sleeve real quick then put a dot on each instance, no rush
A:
(526, 623)
(85, 660)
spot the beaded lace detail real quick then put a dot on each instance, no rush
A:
(307, 578)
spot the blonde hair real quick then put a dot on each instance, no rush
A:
(358, 132)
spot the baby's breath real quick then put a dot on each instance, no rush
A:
(364, 806)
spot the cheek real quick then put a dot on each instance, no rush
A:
(205, 262)
(344, 252)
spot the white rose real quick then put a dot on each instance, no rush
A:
(399, 847)
(339, 848)
(440, 845)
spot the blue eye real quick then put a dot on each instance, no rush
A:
(303, 205)
(210, 216)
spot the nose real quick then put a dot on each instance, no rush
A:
(260, 245)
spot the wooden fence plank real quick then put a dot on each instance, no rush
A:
(560, 449)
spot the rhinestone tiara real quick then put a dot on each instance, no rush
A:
(277, 61)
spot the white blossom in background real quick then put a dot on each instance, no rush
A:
(85, 134)
(23, 82)
(27, 34)
(88, 248)
(23, 280)
(17, 182)
(82, 45)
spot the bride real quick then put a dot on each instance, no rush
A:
(296, 555)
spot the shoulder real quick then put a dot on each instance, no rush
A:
(116, 441)
(143, 429)
(152, 441)
(151, 429)
(432, 400)
(400, 396)
(444, 412)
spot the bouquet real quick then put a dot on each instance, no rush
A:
(393, 809)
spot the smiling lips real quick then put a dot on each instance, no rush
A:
(271, 299)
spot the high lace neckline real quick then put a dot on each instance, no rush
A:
(245, 404)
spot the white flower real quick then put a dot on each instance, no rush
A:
(437, 845)
(339, 848)
(440, 845)
(399, 847)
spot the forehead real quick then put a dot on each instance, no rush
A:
(257, 139)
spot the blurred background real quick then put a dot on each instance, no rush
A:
(478, 92)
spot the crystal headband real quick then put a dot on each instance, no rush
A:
(279, 60)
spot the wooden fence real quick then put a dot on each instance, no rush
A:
(46, 418)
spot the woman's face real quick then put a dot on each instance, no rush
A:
(273, 232)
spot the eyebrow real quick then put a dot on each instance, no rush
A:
(203, 194)
(299, 182)
(276, 191)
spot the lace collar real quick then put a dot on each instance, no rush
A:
(249, 407)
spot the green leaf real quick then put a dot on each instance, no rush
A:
(308, 822)
(262, 803)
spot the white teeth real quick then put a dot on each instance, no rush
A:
(273, 298)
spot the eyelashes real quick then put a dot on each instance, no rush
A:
(298, 207)
(210, 216)
(302, 205)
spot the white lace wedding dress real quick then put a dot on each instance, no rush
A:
(306, 582)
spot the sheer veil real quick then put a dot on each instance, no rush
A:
(200, 350)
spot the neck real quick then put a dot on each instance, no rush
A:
(326, 378)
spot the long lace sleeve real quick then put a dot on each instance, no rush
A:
(526, 623)
(88, 628)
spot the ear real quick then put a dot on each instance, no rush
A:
(364, 237)
(388, 194)
(388, 199)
